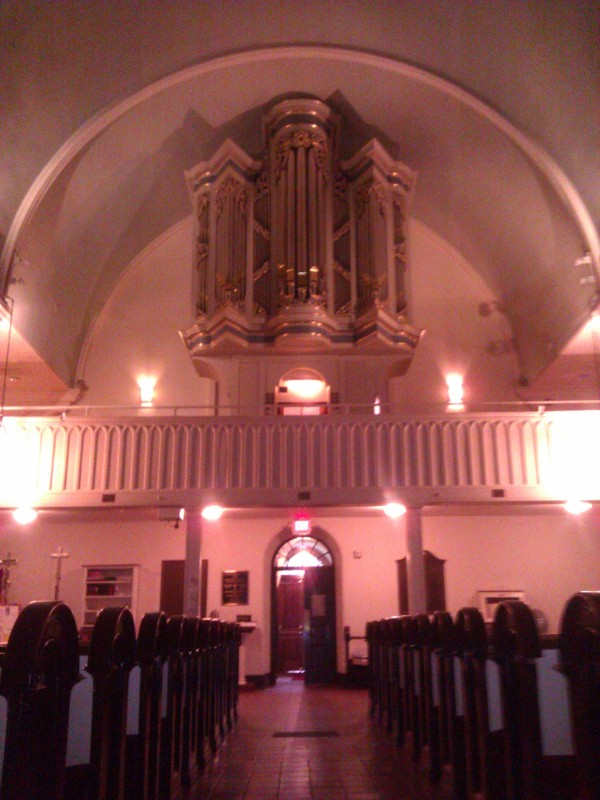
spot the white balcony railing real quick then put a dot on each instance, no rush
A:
(344, 457)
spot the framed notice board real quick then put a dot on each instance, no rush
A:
(235, 588)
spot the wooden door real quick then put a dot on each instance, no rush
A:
(319, 625)
(171, 587)
(290, 616)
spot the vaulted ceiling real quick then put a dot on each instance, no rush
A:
(495, 105)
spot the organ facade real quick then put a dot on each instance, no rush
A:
(300, 250)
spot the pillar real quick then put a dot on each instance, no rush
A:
(191, 570)
(415, 562)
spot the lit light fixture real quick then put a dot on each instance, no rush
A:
(24, 515)
(454, 382)
(377, 405)
(181, 515)
(595, 321)
(301, 526)
(212, 513)
(4, 324)
(574, 506)
(146, 384)
(307, 388)
(394, 510)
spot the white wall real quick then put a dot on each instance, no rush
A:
(122, 539)
(138, 330)
(549, 556)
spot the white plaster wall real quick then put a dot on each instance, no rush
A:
(101, 541)
(444, 295)
(549, 556)
(137, 333)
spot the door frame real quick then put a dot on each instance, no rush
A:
(315, 534)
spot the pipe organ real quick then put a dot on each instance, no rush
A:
(301, 251)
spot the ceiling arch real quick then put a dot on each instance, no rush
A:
(117, 183)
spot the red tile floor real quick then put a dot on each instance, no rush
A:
(359, 763)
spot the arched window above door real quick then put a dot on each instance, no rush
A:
(303, 551)
(302, 391)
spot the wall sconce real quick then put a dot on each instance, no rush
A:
(394, 510)
(24, 515)
(377, 406)
(574, 506)
(454, 382)
(146, 384)
(212, 513)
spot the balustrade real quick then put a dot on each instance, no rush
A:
(436, 458)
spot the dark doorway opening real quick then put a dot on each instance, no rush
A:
(171, 587)
(303, 640)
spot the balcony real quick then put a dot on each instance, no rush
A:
(84, 456)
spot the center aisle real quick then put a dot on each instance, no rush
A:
(293, 742)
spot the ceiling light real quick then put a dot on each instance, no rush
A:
(394, 510)
(212, 513)
(24, 515)
(575, 506)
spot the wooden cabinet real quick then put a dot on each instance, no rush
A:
(107, 585)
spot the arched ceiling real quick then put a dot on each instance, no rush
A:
(108, 104)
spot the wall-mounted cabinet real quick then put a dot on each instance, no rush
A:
(107, 585)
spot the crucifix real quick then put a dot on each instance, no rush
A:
(59, 555)
(5, 565)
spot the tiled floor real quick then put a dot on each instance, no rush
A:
(359, 763)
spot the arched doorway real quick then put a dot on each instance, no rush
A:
(303, 601)
(302, 391)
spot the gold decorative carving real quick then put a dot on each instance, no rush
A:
(341, 231)
(230, 188)
(341, 270)
(262, 270)
(363, 196)
(305, 139)
(261, 230)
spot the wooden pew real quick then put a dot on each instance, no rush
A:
(580, 663)
(111, 658)
(39, 669)
(370, 636)
(202, 726)
(485, 776)
(152, 650)
(412, 727)
(451, 721)
(170, 742)
(182, 701)
(428, 697)
(516, 646)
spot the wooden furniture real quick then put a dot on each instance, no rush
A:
(435, 584)
(188, 673)
(39, 669)
(482, 707)
(107, 585)
(580, 663)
